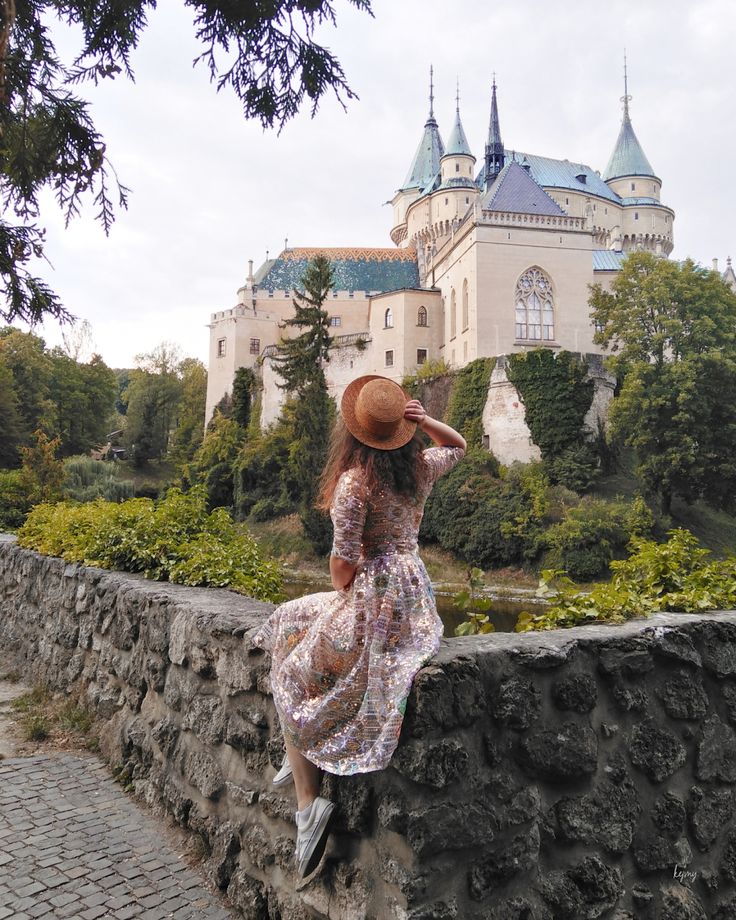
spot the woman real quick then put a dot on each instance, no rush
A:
(343, 661)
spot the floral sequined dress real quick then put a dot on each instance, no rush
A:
(342, 662)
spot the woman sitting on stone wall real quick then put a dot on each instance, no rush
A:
(342, 662)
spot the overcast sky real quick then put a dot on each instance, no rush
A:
(210, 191)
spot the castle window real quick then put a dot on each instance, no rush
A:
(633, 186)
(636, 215)
(453, 315)
(422, 316)
(567, 201)
(421, 356)
(336, 321)
(457, 167)
(535, 309)
(389, 358)
(467, 200)
(255, 346)
(221, 345)
(606, 210)
(447, 200)
(388, 318)
(465, 304)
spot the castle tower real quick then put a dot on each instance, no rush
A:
(423, 170)
(456, 179)
(495, 157)
(646, 223)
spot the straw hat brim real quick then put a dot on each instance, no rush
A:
(403, 433)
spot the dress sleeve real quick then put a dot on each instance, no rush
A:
(440, 460)
(348, 511)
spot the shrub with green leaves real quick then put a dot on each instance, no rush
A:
(174, 539)
(86, 479)
(675, 576)
(594, 533)
(474, 605)
(15, 499)
(485, 520)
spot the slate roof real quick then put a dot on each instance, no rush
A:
(426, 162)
(458, 145)
(562, 174)
(354, 269)
(607, 260)
(515, 190)
(628, 158)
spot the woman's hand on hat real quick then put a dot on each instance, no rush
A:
(415, 412)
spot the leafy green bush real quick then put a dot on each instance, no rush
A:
(592, 534)
(86, 479)
(475, 607)
(15, 499)
(260, 472)
(485, 520)
(674, 576)
(174, 539)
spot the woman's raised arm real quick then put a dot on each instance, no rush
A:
(440, 433)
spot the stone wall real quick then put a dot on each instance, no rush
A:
(583, 773)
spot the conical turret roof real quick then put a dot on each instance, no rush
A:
(628, 157)
(426, 162)
(458, 145)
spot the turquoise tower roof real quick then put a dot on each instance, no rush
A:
(628, 158)
(426, 162)
(458, 145)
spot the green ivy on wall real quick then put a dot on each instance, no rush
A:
(556, 393)
(469, 394)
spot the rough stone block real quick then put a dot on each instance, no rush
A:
(717, 752)
(575, 692)
(204, 773)
(517, 702)
(606, 816)
(565, 752)
(656, 751)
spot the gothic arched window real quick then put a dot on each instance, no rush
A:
(422, 316)
(465, 304)
(535, 308)
(453, 315)
(388, 318)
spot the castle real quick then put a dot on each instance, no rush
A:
(489, 259)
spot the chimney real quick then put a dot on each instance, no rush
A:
(715, 265)
(250, 272)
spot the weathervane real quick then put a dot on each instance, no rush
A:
(626, 98)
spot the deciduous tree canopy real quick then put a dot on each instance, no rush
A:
(671, 328)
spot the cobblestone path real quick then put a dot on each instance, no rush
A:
(74, 845)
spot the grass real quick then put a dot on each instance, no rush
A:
(42, 717)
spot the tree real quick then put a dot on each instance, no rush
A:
(264, 51)
(299, 359)
(244, 384)
(42, 472)
(299, 363)
(25, 355)
(190, 427)
(671, 328)
(11, 426)
(82, 398)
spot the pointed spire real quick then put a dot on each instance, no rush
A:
(426, 162)
(431, 92)
(628, 157)
(494, 148)
(457, 144)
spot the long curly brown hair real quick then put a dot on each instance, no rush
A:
(397, 468)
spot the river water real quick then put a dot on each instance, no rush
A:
(503, 613)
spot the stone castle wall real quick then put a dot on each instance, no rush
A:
(580, 773)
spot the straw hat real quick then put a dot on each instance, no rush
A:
(372, 408)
